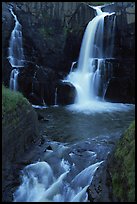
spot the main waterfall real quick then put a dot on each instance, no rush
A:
(15, 55)
(87, 77)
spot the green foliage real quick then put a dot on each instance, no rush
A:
(11, 101)
(123, 173)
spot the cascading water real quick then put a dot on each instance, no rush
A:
(56, 91)
(56, 179)
(87, 77)
(39, 184)
(16, 55)
(14, 79)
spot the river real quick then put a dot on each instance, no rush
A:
(74, 144)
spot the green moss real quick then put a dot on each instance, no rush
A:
(11, 102)
(123, 173)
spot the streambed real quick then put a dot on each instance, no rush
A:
(74, 145)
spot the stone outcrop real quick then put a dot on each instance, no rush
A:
(100, 189)
(121, 87)
(19, 134)
(65, 93)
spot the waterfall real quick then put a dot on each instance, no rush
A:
(15, 52)
(87, 77)
(43, 101)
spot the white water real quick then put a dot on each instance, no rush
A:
(14, 79)
(87, 78)
(72, 66)
(56, 91)
(15, 55)
(41, 184)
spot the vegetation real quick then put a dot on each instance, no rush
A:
(11, 101)
(123, 172)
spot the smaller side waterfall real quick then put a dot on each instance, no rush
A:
(56, 91)
(15, 52)
(16, 55)
(14, 79)
(43, 101)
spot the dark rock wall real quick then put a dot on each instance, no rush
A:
(18, 135)
(122, 85)
(52, 35)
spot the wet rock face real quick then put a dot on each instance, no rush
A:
(38, 83)
(18, 136)
(100, 189)
(121, 87)
(65, 93)
(125, 31)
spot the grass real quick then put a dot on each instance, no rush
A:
(123, 173)
(11, 102)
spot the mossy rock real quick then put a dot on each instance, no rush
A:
(12, 102)
(123, 172)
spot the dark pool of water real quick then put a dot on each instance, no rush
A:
(64, 125)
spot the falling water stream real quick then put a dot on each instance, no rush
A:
(78, 137)
(15, 55)
(87, 77)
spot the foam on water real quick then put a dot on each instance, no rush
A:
(99, 107)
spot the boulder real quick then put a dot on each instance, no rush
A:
(100, 189)
(66, 93)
